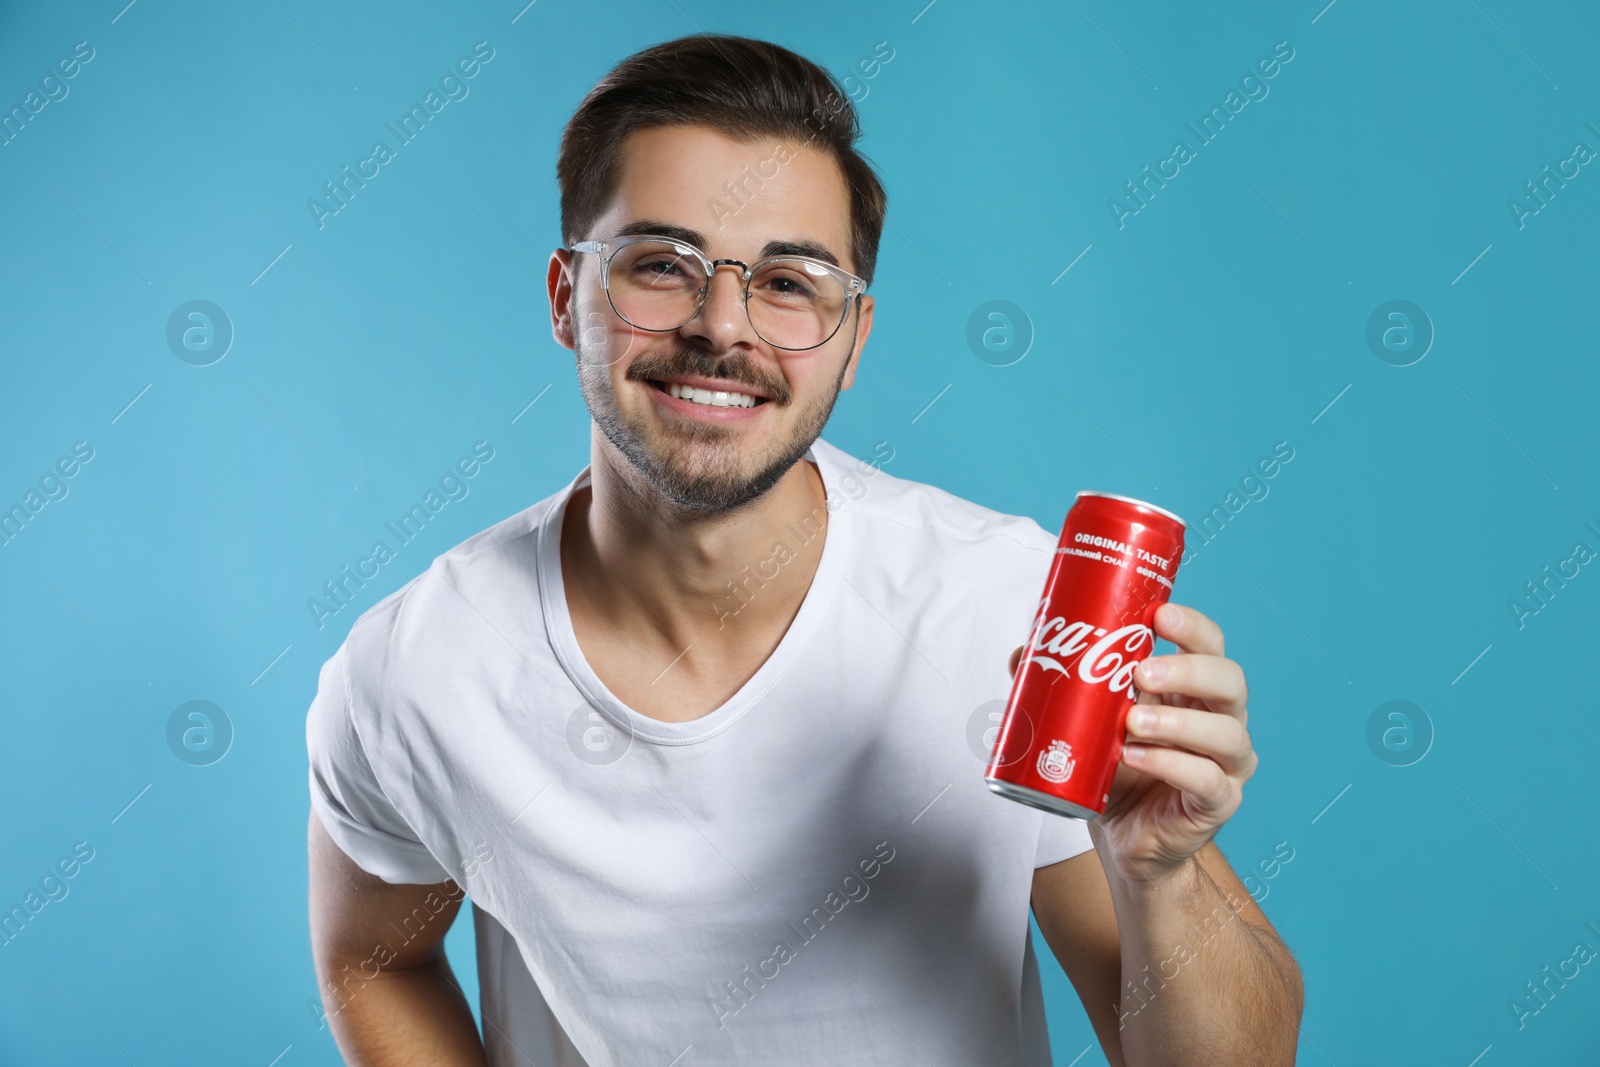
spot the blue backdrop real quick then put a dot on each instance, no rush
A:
(1366, 266)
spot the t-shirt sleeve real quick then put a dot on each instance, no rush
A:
(1061, 838)
(346, 794)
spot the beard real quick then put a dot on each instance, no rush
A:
(699, 466)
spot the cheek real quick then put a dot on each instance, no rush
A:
(812, 378)
(595, 331)
(607, 343)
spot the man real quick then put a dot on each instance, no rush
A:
(692, 731)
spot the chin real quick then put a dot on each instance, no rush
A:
(709, 473)
(708, 467)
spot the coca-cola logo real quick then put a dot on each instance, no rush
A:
(1094, 655)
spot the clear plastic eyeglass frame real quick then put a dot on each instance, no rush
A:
(853, 286)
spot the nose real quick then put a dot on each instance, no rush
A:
(723, 318)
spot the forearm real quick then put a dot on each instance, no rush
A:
(402, 1017)
(1201, 985)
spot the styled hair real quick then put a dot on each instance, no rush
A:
(743, 88)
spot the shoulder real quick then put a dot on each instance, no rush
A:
(410, 628)
(956, 580)
(911, 511)
(930, 558)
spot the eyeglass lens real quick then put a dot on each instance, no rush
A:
(657, 285)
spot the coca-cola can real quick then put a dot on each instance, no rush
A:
(1061, 737)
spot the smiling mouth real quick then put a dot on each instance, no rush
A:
(715, 398)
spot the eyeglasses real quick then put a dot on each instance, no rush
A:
(659, 284)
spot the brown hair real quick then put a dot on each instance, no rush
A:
(743, 88)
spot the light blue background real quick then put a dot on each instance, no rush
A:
(1224, 317)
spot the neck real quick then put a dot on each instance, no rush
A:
(650, 567)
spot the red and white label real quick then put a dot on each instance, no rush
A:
(1108, 661)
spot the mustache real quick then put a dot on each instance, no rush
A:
(736, 369)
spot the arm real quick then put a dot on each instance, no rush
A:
(1196, 973)
(1164, 990)
(389, 1001)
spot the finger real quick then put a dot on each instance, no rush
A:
(1220, 738)
(1216, 680)
(1016, 658)
(1207, 788)
(1188, 629)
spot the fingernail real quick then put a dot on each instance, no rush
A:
(1154, 670)
(1174, 615)
(1133, 753)
(1142, 718)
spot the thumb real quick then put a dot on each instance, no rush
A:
(1016, 658)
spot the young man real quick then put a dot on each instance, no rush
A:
(693, 731)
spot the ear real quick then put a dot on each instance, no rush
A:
(864, 306)
(558, 280)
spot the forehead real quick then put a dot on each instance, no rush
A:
(735, 199)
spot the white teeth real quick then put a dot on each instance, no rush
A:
(711, 398)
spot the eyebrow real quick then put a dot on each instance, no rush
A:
(789, 247)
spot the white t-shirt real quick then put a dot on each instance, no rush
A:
(814, 872)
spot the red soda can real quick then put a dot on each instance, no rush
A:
(1061, 738)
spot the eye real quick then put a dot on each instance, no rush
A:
(786, 282)
(658, 266)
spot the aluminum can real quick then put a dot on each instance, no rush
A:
(1060, 741)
